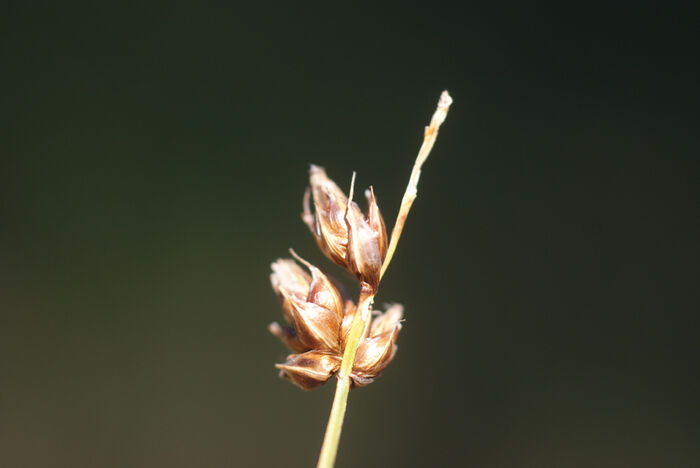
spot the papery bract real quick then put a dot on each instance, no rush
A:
(348, 237)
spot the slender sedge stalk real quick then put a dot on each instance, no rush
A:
(431, 133)
(340, 400)
(329, 449)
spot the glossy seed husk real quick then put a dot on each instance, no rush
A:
(318, 321)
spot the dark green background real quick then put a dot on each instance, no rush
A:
(153, 159)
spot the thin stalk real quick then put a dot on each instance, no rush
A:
(429, 137)
(340, 400)
(335, 424)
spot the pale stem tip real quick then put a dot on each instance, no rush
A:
(352, 187)
(445, 100)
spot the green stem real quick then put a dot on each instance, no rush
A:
(335, 424)
(340, 400)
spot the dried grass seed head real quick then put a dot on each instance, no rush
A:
(320, 320)
(348, 237)
(311, 369)
(311, 304)
(377, 350)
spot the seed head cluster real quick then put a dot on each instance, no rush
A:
(318, 317)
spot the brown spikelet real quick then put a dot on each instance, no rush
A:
(312, 305)
(376, 351)
(320, 321)
(348, 237)
(311, 369)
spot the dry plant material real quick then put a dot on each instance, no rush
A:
(320, 321)
(329, 333)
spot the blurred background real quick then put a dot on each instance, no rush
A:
(153, 158)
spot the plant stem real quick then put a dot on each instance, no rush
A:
(335, 424)
(340, 400)
(429, 137)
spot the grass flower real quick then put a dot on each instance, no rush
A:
(329, 334)
(348, 237)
